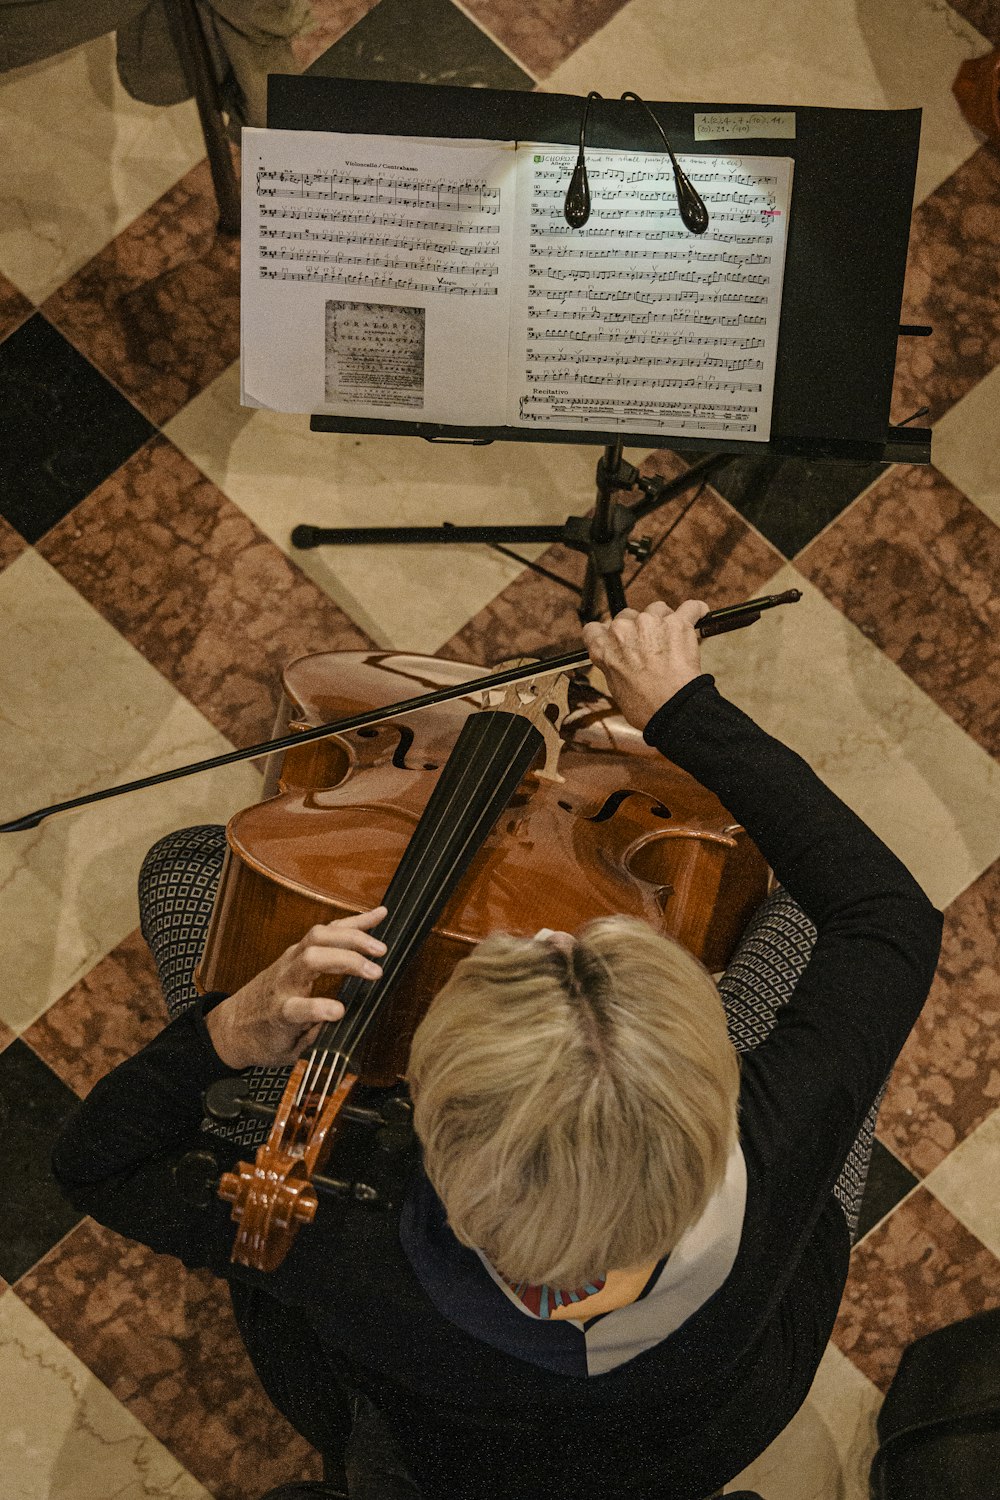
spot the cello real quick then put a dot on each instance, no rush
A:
(537, 806)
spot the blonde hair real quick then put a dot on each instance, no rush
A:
(576, 1109)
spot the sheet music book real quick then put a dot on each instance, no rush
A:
(438, 281)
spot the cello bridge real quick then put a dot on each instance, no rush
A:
(545, 704)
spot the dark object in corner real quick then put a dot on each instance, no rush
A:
(939, 1427)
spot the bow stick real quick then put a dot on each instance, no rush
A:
(730, 617)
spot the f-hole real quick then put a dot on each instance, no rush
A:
(402, 747)
(615, 801)
(405, 741)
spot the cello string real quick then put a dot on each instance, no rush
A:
(434, 871)
(340, 1061)
(433, 874)
(400, 956)
(401, 913)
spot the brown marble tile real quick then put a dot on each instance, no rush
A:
(188, 579)
(914, 563)
(158, 310)
(331, 18)
(711, 553)
(947, 1078)
(107, 1016)
(544, 33)
(14, 307)
(984, 15)
(918, 1270)
(6, 1036)
(12, 544)
(165, 1343)
(951, 283)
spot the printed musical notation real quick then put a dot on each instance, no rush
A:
(626, 360)
(383, 241)
(376, 274)
(634, 302)
(392, 188)
(607, 338)
(462, 267)
(387, 283)
(285, 215)
(387, 276)
(662, 382)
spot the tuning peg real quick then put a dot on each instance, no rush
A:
(225, 1100)
(361, 1192)
(195, 1177)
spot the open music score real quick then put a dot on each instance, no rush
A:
(378, 187)
(439, 281)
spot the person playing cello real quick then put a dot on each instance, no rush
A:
(624, 1242)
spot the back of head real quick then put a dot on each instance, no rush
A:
(576, 1109)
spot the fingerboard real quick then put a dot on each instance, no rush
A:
(490, 758)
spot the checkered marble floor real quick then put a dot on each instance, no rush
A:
(150, 597)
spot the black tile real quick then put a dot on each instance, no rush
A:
(888, 1182)
(421, 41)
(790, 500)
(63, 428)
(34, 1105)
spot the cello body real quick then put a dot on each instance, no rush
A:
(613, 829)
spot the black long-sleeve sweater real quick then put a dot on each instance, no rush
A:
(473, 1389)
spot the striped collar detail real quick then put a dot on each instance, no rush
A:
(541, 1299)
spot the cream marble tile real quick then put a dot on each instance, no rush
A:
(81, 159)
(64, 1435)
(966, 1181)
(82, 710)
(412, 598)
(966, 445)
(847, 54)
(826, 1450)
(808, 676)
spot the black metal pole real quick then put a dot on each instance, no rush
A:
(189, 39)
(609, 479)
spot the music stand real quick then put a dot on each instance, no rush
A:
(841, 298)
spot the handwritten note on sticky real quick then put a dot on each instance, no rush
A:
(752, 124)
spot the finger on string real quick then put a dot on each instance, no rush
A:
(336, 936)
(317, 959)
(311, 1010)
(357, 921)
(365, 919)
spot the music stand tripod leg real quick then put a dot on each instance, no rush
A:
(604, 537)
